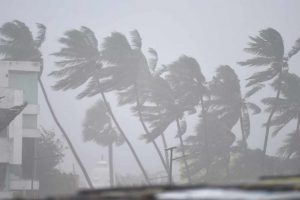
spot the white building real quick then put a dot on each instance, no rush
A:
(100, 175)
(19, 83)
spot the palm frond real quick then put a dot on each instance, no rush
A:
(255, 108)
(136, 39)
(16, 42)
(253, 90)
(152, 61)
(92, 88)
(291, 145)
(268, 44)
(79, 59)
(295, 49)
(257, 62)
(116, 49)
(260, 77)
(246, 121)
(182, 126)
(41, 35)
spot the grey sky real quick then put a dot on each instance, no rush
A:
(214, 32)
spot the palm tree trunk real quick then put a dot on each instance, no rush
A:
(298, 124)
(125, 138)
(183, 152)
(204, 121)
(84, 171)
(164, 141)
(111, 165)
(242, 130)
(148, 132)
(270, 116)
(203, 110)
(297, 132)
(165, 147)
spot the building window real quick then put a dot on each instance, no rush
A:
(28, 157)
(26, 81)
(29, 121)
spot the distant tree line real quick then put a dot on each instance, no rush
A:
(163, 94)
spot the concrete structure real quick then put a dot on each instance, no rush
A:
(19, 83)
(100, 174)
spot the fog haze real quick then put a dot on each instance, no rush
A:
(213, 32)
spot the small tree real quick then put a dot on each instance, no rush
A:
(97, 127)
(50, 153)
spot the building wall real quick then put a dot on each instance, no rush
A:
(19, 83)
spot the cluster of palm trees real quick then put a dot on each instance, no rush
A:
(160, 95)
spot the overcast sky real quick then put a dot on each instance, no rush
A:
(214, 32)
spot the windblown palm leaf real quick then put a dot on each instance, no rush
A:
(268, 51)
(18, 44)
(80, 59)
(288, 107)
(225, 92)
(291, 146)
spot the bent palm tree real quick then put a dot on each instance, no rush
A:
(268, 51)
(187, 83)
(97, 127)
(127, 72)
(288, 109)
(82, 62)
(227, 102)
(172, 97)
(18, 44)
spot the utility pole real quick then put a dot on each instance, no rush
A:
(171, 163)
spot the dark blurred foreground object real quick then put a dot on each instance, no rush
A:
(268, 188)
(8, 114)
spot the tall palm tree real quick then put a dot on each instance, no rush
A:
(97, 127)
(288, 109)
(178, 93)
(18, 44)
(268, 53)
(127, 72)
(81, 62)
(227, 104)
(187, 83)
(156, 92)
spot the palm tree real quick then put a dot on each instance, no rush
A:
(178, 93)
(187, 83)
(288, 109)
(82, 62)
(97, 127)
(155, 94)
(227, 102)
(18, 44)
(127, 72)
(210, 164)
(268, 53)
